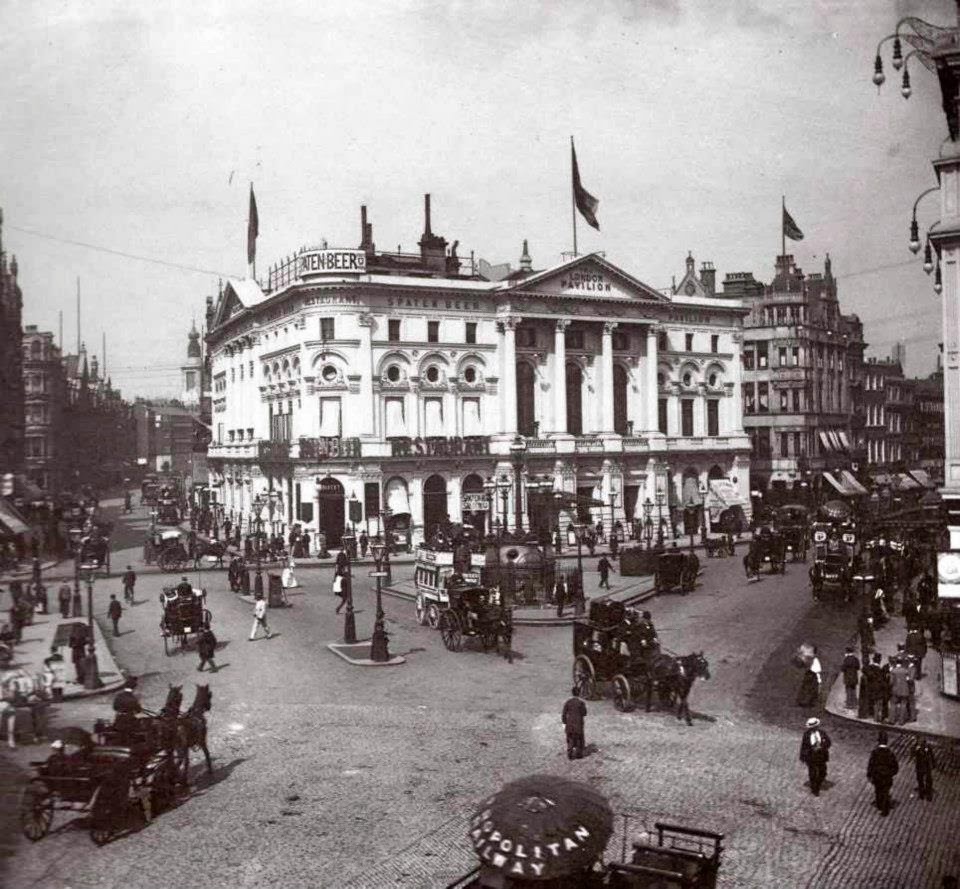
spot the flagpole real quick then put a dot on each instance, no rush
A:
(783, 230)
(253, 265)
(573, 200)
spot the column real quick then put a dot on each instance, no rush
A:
(367, 424)
(736, 409)
(560, 377)
(606, 377)
(509, 397)
(651, 392)
(454, 498)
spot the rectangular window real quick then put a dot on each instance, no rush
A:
(749, 399)
(713, 417)
(663, 342)
(784, 444)
(251, 370)
(686, 417)
(330, 418)
(795, 356)
(662, 416)
(527, 336)
(784, 400)
(470, 335)
(763, 398)
(573, 339)
(621, 340)
(781, 314)
(433, 416)
(433, 331)
(749, 357)
(219, 433)
(393, 330)
(326, 329)
(797, 443)
(714, 344)
(796, 401)
(241, 371)
(762, 360)
(396, 422)
(689, 342)
(782, 356)
(470, 421)
(280, 427)
(371, 499)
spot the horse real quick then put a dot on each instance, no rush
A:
(192, 728)
(751, 562)
(215, 549)
(675, 676)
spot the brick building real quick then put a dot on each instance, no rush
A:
(11, 366)
(45, 397)
(802, 364)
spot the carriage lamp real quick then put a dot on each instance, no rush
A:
(379, 651)
(648, 520)
(518, 449)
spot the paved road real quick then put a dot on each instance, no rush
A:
(332, 775)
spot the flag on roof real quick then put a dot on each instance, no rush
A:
(586, 203)
(790, 229)
(253, 228)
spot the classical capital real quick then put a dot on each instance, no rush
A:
(562, 324)
(510, 322)
(609, 327)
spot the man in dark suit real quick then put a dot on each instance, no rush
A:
(815, 753)
(574, 713)
(881, 768)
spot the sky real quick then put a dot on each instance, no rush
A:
(136, 128)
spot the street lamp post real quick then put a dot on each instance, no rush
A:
(517, 451)
(578, 529)
(379, 651)
(660, 498)
(703, 513)
(349, 621)
(258, 530)
(647, 520)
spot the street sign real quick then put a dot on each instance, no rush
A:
(379, 574)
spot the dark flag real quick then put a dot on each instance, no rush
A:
(790, 229)
(253, 229)
(586, 203)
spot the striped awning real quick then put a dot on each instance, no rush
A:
(835, 440)
(921, 476)
(837, 485)
(844, 440)
(851, 482)
(825, 440)
(11, 520)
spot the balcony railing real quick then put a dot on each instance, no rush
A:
(588, 445)
(541, 446)
(636, 443)
(274, 451)
(328, 448)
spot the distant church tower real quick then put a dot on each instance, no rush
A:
(192, 370)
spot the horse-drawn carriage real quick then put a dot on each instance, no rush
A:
(615, 650)
(475, 611)
(676, 570)
(768, 547)
(834, 549)
(107, 782)
(793, 524)
(434, 571)
(169, 550)
(183, 616)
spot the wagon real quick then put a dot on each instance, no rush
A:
(676, 571)
(183, 616)
(767, 548)
(681, 858)
(476, 612)
(171, 554)
(105, 782)
(795, 540)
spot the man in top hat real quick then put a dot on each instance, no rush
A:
(881, 768)
(815, 753)
(573, 716)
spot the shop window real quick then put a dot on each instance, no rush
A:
(470, 333)
(686, 417)
(662, 416)
(326, 329)
(763, 398)
(714, 343)
(689, 342)
(393, 330)
(433, 331)
(713, 417)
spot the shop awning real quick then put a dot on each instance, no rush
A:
(835, 440)
(851, 482)
(838, 486)
(882, 478)
(923, 478)
(905, 483)
(844, 441)
(723, 494)
(11, 520)
(825, 440)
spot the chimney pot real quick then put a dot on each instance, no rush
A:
(426, 215)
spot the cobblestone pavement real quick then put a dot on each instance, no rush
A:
(331, 775)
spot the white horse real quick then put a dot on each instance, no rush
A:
(18, 689)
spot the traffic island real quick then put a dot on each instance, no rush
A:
(358, 654)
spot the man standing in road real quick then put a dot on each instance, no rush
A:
(129, 581)
(259, 618)
(900, 691)
(851, 671)
(114, 610)
(63, 595)
(881, 768)
(573, 716)
(924, 762)
(604, 566)
(815, 753)
(206, 647)
(364, 543)
(78, 649)
(560, 595)
(77, 602)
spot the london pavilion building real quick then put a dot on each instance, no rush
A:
(356, 386)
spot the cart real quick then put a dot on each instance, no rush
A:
(183, 617)
(476, 612)
(170, 552)
(107, 783)
(676, 571)
(682, 858)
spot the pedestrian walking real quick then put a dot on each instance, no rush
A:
(364, 543)
(560, 594)
(591, 542)
(206, 647)
(78, 649)
(881, 768)
(851, 677)
(77, 603)
(129, 581)
(288, 580)
(811, 683)
(573, 716)
(63, 595)
(259, 618)
(306, 544)
(900, 692)
(916, 646)
(815, 754)
(341, 563)
(114, 610)
(924, 763)
(865, 631)
(604, 566)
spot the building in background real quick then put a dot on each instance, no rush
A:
(397, 386)
(802, 367)
(11, 366)
(887, 399)
(45, 396)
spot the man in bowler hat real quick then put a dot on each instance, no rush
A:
(815, 753)
(881, 768)
(573, 716)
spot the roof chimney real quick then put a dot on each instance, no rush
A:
(708, 277)
(526, 264)
(433, 248)
(366, 231)
(426, 215)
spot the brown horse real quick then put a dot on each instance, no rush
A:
(192, 729)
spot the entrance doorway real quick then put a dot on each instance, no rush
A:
(331, 510)
(574, 384)
(474, 503)
(619, 400)
(526, 411)
(434, 505)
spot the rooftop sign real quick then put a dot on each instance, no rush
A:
(331, 262)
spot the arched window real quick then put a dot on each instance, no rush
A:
(526, 414)
(574, 398)
(619, 400)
